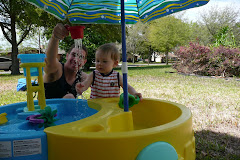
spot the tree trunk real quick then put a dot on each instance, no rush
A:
(154, 56)
(134, 51)
(166, 57)
(15, 61)
(150, 54)
(39, 41)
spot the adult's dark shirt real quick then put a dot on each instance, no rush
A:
(60, 87)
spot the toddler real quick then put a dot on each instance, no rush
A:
(104, 81)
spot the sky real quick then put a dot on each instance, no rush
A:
(190, 14)
(193, 13)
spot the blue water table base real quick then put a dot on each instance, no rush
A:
(22, 140)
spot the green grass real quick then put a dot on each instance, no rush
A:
(214, 103)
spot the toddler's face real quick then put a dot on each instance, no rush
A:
(104, 63)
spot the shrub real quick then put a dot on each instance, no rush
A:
(224, 61)
(203, 60)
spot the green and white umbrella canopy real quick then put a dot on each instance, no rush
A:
(109, 11)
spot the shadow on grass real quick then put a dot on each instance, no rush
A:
(216, 146)
(9, 75)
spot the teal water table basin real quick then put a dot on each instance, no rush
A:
(22, 140)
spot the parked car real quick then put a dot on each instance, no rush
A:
(5, 64)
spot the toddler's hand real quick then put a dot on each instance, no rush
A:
(79, 87)
(139, 95)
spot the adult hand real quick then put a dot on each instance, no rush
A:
(60, 31)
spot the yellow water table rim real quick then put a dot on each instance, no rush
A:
(108, 108)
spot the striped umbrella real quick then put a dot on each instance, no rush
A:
(115, 12)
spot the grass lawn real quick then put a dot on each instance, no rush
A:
(214, 103)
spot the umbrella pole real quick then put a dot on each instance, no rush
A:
(124, 59)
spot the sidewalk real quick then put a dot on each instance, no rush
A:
(139, 65)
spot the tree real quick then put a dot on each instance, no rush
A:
(215, 19)
(18, 16)
(36, 37)
(225, 37)
(199, 33)
(236, 33)
(137, 42)
(167, 33)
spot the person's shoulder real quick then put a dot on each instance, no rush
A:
(96, 72)
(115, 72)
(59, 66)
(51, 75)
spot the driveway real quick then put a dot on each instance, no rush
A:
(8, 72)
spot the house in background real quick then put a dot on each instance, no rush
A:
(132, 57)
(162, 57)
(27, 51)
(156, 57)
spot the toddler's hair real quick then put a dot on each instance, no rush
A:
(110, 48)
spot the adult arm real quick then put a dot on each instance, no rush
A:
(84, 76)
(53, 69)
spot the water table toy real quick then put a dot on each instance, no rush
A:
(99, 129)
(3, 118)
(33, 66)
(131, 100)
(22, 140)
(95, 129)
(76, 31)
(44, 118)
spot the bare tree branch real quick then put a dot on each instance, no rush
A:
(5, 34)
(3, 2)
(25, 34)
